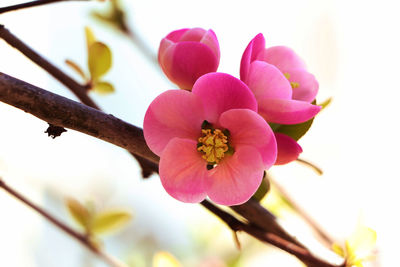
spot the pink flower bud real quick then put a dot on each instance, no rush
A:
(185, 55)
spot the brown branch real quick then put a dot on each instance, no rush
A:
(79, 90)
(271, 238)
(67, 113)
(83, 239)
(32, 4)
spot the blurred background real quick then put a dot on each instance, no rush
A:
(352, 47)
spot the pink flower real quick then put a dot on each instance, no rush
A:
(283, 88)
(187, 54)
(211, 141)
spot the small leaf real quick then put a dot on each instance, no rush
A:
(99, 59)
(103, 88)
(76, 68)
(90, 38)
(80, 214)
(165, 259)
(262, 189)
(338, 249)
(110, 220)
(325, 103)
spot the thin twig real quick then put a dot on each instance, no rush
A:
(70, 114)
(32, 4)
(311, 165)
(79, 90)
(83, 239)
(303, 214)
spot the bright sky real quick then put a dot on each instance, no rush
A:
(352, 47)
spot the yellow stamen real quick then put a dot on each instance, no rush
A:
(213, 144)
(293, 84)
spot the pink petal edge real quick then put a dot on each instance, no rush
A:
(174, 113)
(286, 111)
(248, 128)
(288, 149)
(256, 45)
(220, 92)
(282, 57)
(183, 172)
(236, 178)
(265, 80)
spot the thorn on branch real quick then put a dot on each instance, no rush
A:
(54, 131)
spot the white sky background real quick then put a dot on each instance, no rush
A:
(352, 47)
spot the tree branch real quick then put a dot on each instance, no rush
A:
(83, 239)
(67, 113)
(271, 238)
(79, 90)
(32, 4)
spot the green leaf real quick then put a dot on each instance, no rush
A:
(296, 131)
(110, 220)
(99, 60)
(325, 103)
(78, 212)
(103, 88)
(90, 38)
(262, 189)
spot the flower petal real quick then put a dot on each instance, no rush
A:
(288, 149)
(248, 128)
(282, 57)
(174, 113)
(256, 45)
(185, 62)
(210, 39)
(175, 36)
(236, 178)
(308, 85)
(220, 92)
(265, 80)
(192, 35)
(286, 111)
(183, 172)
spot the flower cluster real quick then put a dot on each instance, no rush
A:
(214, 137)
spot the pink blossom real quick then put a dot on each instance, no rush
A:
(211, 141)
(185, 55)
(283, 88)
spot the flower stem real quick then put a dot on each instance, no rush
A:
(83, 239)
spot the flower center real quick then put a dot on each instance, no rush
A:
(213, 144)
(293, 84)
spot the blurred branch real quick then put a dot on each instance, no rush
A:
(83, 239)
(303, 214)
(64, 112)
(116, 17)
(32, 4)
(79, 90)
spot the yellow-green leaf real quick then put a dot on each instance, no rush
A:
(325, 103)
(80, 214)
(90, 38)
(110, 220)
(99, 60)
(338, 249)
(103, 88)
(165, 259)
(76, 68)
